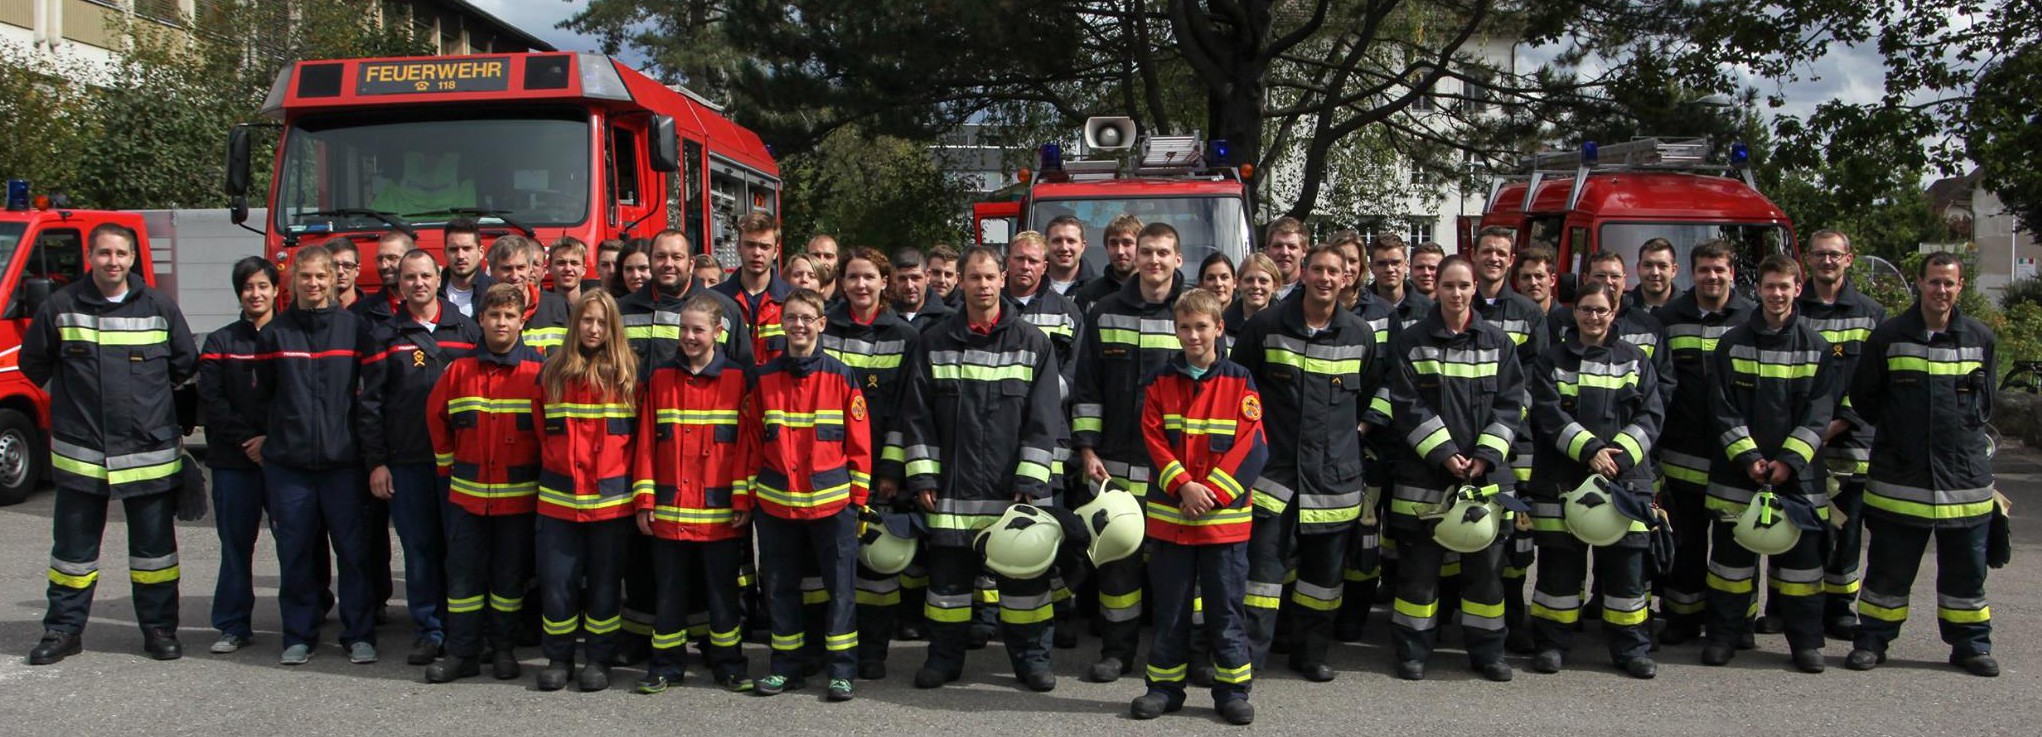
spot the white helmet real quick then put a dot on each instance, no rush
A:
(1022, 543)
(1763, 527)
(1116, 522)
(1590, 512)
(1470, 522)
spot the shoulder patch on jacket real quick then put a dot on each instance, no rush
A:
(1251, 408)
(858, 408)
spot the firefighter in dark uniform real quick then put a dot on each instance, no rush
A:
(1845, 317)
(1058, 317)
(1524, 321)
(1694, 322)
(1128, 335)
(1595, 411)
(1457, 398)
(982, 429)
(1926, 381)
(865, 334)
(1775, 388)
(110, 349)
(1317, 366)
(515, 259)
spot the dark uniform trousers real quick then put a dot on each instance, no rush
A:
(786, 547)
(1217, 575)
(79, 521)
(1795, 578)
(308, 510)
(1683, 590)
(1841, 574)
(1416, 609)
(488, 560)
(1620, 578)
(1316, 593)
(678, 567)
(1891, 564)
(879, 597)
(581, 569)
(1025, 612)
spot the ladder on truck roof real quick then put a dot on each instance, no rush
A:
(1639, 154)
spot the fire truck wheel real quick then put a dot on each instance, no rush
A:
(21, 457)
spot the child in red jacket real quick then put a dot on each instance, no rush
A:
(588, 415)
(815, 463)
(1202, 423)
(691, 468)
(480, 418)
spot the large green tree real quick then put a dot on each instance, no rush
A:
(2004, 133)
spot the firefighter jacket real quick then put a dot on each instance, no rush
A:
(1846, 324)
(226, 388)
(585, 454)
(877, 353)
(307, 378)
(1586, 398)
(1316, 385)
(1451, 394)
(374, 308)
(1101, 286)
(1127, 338)
(1773, 396)
(545, 318)
(1688, 445)
(692, 462)
(982, 424)
(483, 281)
(485, 439)
(1930, 396)
(934, 311)
(761, 314)
(1524, 321)
(813, 439)
(652, 320)
(401, 361)
(109, 368)
(1059, 318)
(1633, 325)
(1385, 448)
(1206, 429)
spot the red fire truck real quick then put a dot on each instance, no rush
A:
(540, 144)
(1179, 180)
(1616, 197)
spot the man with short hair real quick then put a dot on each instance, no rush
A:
(347, 264)
(758, 290)
(607, 253)
(1657, 267)
(1425, 258)
(1066, 254)
(1845, 317)
(911, 291)
(1390, 266)
(402, 359)
(1128, 335)
(1052, 313)
(566, 262)
(110, 349)
(464, 277)
(1120, 254)
(941, 266)
(1284, 242)
(1533, 276)
(390, 250)
(823, 250)
(1695, 322)
(652, 315)
(1926, 381)
(1524, 321)
(515, 259)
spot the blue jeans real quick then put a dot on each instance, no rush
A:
(308, 510)
(238, 500)
(416, 510)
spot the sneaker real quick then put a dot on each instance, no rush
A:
(423, 652)
(840, 689)
(296, 655)
(361, 653)
(734, 683)
(229, 643)
(774, 685)
(55, 646)
(1238, 712)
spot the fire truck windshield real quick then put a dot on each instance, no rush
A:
(532, 165)
(1206, 224)
(1753, 242)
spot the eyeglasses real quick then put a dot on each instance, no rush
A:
(1593, 311)
(1827, 255)
(346, 265)
(801, 319)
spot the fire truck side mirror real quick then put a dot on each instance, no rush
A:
(34, 292)
(237, 209)
(664, 148)
(237, 161)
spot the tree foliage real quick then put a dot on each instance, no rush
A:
(877, 191)
(2004, 133)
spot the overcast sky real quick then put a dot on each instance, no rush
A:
(1853, 75)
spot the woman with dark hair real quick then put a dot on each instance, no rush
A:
(234, 426)
(1216, 275)
(634, 268)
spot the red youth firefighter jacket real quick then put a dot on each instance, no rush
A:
(585, 454)
(814, 438)
(480, 416)
(1208, 430)
(692, 463)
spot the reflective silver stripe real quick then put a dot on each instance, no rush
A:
(1777, 358)
(881, 585)
(1960, 602)
(1939, 355)
(811, 583)
(1926, 496)
(1310, 590)
(1271, 488)
(1840, 323)
(1683, 460)
(1134, 473)
(1728, 573)
(1024, 603)
(1551, 601)
(1454, 355)
(923, 452)
(1598, 368)
(1796, 575)
(1731, 494)
(69, 568)
(1268, 590)
(1132, 322)
(1692, 329)
(1623, 604)
(863, 347)
(112, 324)
(152, 564)
(141, 459)
(1731, 436)
(1501, 431)
(1637, 435)
(1128, 614)
(1883, 601)
(1515, 327)
(1326, 351)
(1037, 455)
(1420, 624)
(1807, 436)
(1424, 430)
(1330, 501)
(1548, 510)
(988, 359)
(949, 601)
(1471, 621)
(974, 507)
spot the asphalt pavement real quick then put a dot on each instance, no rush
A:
(113, 689)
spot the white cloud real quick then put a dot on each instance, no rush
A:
(540, 18)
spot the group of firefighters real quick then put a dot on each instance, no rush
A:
(856, 447)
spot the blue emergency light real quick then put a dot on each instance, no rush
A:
(1052, 157)
(1589, 154)
(17, 194)
(1221, 152)
(1740, 154)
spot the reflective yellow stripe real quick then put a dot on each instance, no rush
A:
(1624, 619)
(972, 372)
(1431, 367)
(464, 605)
(1884, 614)
(1964, 616)
(114, 337)
(1563, 616)
(66, 580)
(1416, 611)
(1774, 370)
(1932, 368)
(840, 643)
(1310, 365)
(458, 405)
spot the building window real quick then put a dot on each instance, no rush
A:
(1418, 229)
